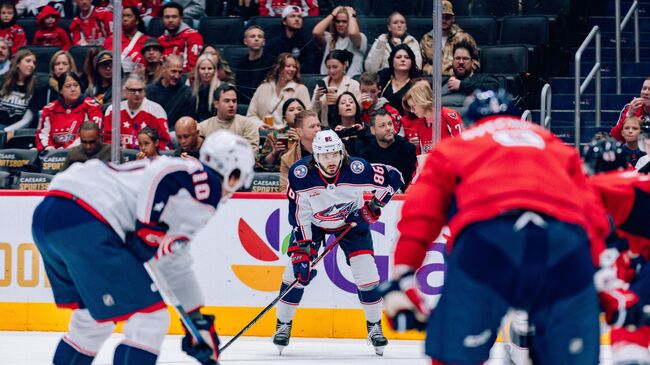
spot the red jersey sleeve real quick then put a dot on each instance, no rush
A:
(75, 30)
(312, 8)
(64, 39)
(194, 47)
(20, 39)
(107, 125)
(264, 11)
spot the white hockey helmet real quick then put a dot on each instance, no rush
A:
(327, 142)
(225, 152)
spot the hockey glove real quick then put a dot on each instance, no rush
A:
(301, 260)
(628, 265)
(368, 214)
(620, 307)
(403, 304)
(206, 353)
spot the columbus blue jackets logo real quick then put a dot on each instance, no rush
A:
(357, 167)
(300, 171)
(335, 212)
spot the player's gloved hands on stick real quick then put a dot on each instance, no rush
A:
(206, 353)
(622, 308)
(403, 304)
(301, 260)
(368, 214)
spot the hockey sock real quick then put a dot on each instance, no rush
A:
(371, 303)
(127, 355)
(287, 306)
(67, 355)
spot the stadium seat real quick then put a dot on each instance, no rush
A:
(242, 109)
(482, 28)
(272, 26)
(32, 181)
(418, 26)
(6, 180)
(43, 56)
(373, 27)
(129, 155)
(504, 59)
(25, 132)
(155, 28)
(65, 24)
(29, 25)
(547, 7)
(461, 7)
(266, 182)
(387, 7)
(3, 139)
(531, 30)
(15, 159)
(493, 7)
(79, 53)
(309, 22)
(22, 142)
(233, 54)
(310, 81)
(52, 161)
(222, 30)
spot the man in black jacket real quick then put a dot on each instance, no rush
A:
(171, 92)
(388, 148)
(255, 65)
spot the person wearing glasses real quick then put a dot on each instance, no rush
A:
(465, 79)
(137, 112)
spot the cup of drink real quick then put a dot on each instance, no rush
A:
(366, 102)
(283, 139)
(268, 120)
(290, 142)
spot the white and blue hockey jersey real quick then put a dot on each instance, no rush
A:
(313, 200)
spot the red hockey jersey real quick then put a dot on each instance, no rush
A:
(15, 35)
(150, 114)
(93, 29)
(499, 164)
(186, 43)
(275, 7)
(130, 52)
(59, 125)
(451, 126)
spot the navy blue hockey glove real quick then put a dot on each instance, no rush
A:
(206, 353)
(301, 261)
(368, 214)
(403, 303)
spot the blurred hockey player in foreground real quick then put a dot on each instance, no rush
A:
(325, 194)
(521, 219)
(100, 222)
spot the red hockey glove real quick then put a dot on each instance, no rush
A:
(616, 304)
(403, 304)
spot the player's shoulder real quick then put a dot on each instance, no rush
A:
(51, 106)
(359, 166)
(90, 103)
(300, 168)
(169, 164)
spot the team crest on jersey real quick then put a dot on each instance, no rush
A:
(335, 212)
(357, 167)
(452, 115)
(300, 171)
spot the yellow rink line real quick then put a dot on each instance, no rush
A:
(309, 322)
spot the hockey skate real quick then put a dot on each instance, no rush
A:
(282, 335)
(376, 337)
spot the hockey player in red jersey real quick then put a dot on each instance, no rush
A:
(92, 26)
(179, 38)
(521, 219)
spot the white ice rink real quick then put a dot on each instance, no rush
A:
(37, 348)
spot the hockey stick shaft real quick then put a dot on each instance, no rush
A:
(287, 289)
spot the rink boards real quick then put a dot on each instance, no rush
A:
(239, 259)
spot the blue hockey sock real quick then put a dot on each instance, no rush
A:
(293, 296)
(371, 296)
(127, 355)
(65, 354)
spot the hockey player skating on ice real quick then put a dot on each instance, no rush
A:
(519, 211)
(325, 194)
(99, 222)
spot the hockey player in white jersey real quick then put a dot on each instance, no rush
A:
(99, 222)
(325, 195)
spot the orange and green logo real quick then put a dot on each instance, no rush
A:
(262, 277)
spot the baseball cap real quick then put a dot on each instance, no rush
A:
(447, 8)
(292, 9)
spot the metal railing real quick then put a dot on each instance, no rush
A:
(581, 87)
(545, 107)
(634, 10)
(527, 116)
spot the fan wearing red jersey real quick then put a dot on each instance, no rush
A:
(179, 39)
(92, 26)
(520, 237)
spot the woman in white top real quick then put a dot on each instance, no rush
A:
(337, 82)
(343, 33)
(378, 55)
(282, 82)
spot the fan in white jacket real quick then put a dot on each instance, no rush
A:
(378, 55)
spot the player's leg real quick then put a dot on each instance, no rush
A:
(521, 336)
(144, 334)
(84, 339)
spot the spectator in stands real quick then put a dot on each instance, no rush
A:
(307, 125)
(224, 72)
(370, 88)
(189, 139)
(101, 80)
(92, 26)
(255, 65)
(5, 56)
(243, 8)
(456, 88)
(296, 41)
(194, 9)
(342, 33)
(150, 9)
(152, 52)
(638, 107)
(137, 112)
(60, 62)
(148, 143)
(90, 146)
(337, 82)
(179, 39)
(225, 102)
(396, 79)
(452, 34)
(88, 68)
(49, 32)
(418, 122)
(281, 83)
(379, 54)
(31, 8)
(16, 104)
(631, 133)
(277, 7)
(13, 33)
(389, 148)
(203, 87)
(174, 96)
(277, 141)
(348, 125)
(60, 120)
(133, 39)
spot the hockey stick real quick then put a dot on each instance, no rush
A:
(288, 289)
